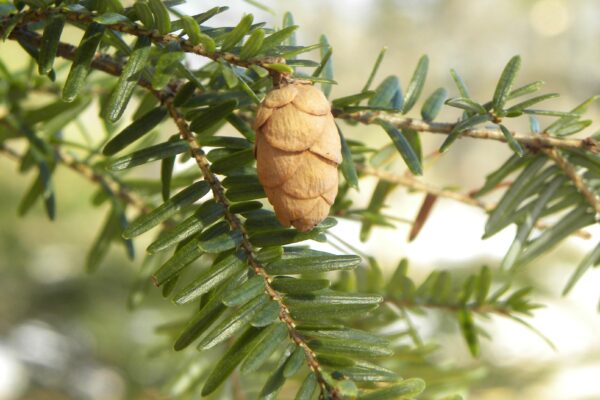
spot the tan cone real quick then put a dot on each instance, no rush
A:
(297, 154)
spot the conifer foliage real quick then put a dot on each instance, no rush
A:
(312, 319)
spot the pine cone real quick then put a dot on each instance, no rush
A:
(297, 153)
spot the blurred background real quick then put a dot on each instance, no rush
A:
(65, 334)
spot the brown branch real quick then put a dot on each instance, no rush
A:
(88, 172)
(135, 29)
(444, 128)
(236, 225)
(577, 180)
(101, 62)
(414, 184)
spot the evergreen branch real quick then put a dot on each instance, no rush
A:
(108, 65)
(101, 62)
(577, 180)
(236, 225)
(113, 67)
(499, 309)
(472, 296)
(445, 128)
(131, 28)
(412, 183)
(90, 174)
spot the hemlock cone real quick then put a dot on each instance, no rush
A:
(297, 154)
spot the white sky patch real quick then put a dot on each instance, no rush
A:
(13, 375)
(550, 17)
